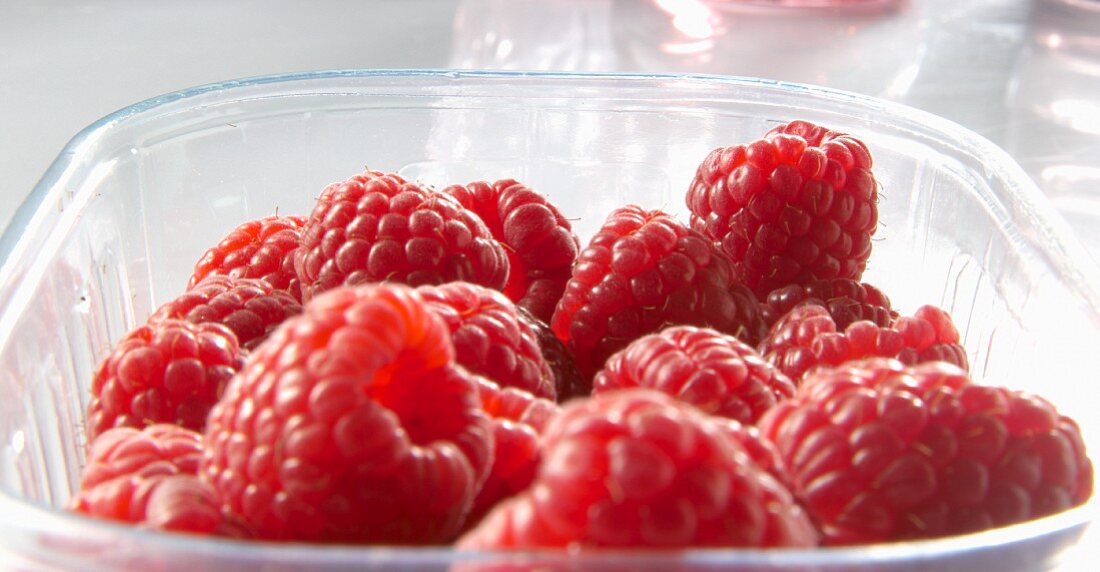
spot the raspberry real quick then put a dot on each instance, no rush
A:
(516, 405)
(261, 249)
(568, 382)
(808, 336)
(489, 337)
(879, 451)
(169, 371)
(377, 227)
(641, 272)
(714, 372)
(139, 477)
(183, 503)
(847, 301)
(636, 468)
(759, 449)
(538, 239)
(251, 308)
(517, 419)
(797, 205)
(351, 424)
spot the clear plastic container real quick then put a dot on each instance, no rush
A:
(117, 222)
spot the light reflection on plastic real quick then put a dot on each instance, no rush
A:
(18, 441)
(1079, 114)
(1071, 173)
(691, 18)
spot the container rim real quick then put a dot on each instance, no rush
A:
(1022, 189)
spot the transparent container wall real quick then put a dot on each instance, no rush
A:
(132, 203)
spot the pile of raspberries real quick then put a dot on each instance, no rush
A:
(412, 366)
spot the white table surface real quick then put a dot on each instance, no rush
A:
(1025, 74)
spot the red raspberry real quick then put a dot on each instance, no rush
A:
(351, 424)
(847, 301)
(250, 308)
(797, 205)
(377, 227)
(517, 419)
(184, 503)
(147, 477)
(538, 239)
(636, 468)
(759, 448)
(489, 337)
(169, 371)
(262, 249)
(808, 336)
(644, 271)
(879, 451)
(714, 372)
(516, 405)
(568, 382)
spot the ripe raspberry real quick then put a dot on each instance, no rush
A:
(489, 337)
(377, 227)
(516, 405)
(517, 419)
(636, 468)
(184, 503)
(169, 371)
(251, 308)
(351, 424)
(847, 301)
(262, 249)
(644, 271)
(538, 239)
(808, 336)
(568, 382)
(759, 448)
(147, 477)
(124, 463)
(714, 372)
(879, 451)
(797, 205)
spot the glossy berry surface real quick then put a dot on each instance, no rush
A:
(715, 372)
(879, 451)
(808, 336)
(250, 308)
(489, 337)
(351, 424)
(641, 272)
(538, 239)
(517, 419)
(125, 465)
(637, 468)
(796, 205)
(847, 301)
(378, 227)
(262, 249)
(169, 371)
